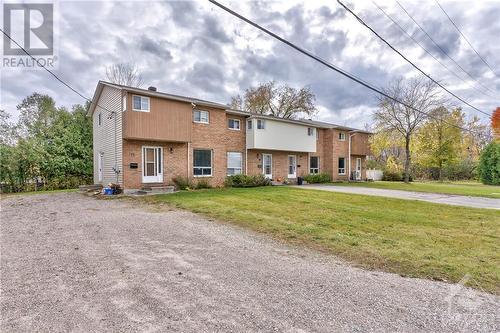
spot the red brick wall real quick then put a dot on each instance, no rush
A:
(279, 162)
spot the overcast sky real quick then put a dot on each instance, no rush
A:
(196, 49)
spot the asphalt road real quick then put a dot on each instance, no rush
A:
(447, 199)
(73, 263)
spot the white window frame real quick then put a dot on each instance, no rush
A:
(341, 136)
(201, 121)
(341, 171)
(200, 167)
(310, 131)
(234, 122)
(240, 168)
(262, 123)
(249, 124)
(311, 169)
(141, 98)
(99, 119)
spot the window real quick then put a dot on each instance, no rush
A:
(234, 163)
(310, 131)
(342, 136)
(124, 102)
(140, 103)
(261, 124)
(233, 124)
(202, 163)
(200, 116)
(99, 119)
(249, 124)
(314, 164)
(341, 166)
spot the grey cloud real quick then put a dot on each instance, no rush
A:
(206, 76)
(157, 48)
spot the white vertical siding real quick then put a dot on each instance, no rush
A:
(107, 138)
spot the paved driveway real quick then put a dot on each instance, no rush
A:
(447, 199)
(73, 263)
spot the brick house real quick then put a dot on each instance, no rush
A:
(144, 137)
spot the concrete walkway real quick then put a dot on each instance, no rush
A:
(447, 199)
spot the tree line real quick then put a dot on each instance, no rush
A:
(49, 147)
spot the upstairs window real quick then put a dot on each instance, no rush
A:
(200, 116)
(249, 124)
(140, 103)
(314, 164)
(202, 163)
(233, 124)
(342, 136)
(261, 124)
(234, 163)
(310, 131)
(341, 166)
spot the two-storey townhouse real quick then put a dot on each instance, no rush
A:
(144, 138)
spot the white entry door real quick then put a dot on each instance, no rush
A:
(152, 164)
(99, 167)
(267, 165)
(358, 168)
(292, 166)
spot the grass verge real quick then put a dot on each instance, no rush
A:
(458, 188)
(411, 238)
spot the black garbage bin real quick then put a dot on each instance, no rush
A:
(300, 180)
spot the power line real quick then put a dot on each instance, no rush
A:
(53, 74)
(439, 47)
(427, 51)
(330, 65)
(409, 61)
(472, 47)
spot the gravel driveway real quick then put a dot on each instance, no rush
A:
(73, 263)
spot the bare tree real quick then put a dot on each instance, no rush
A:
(280, 101)
(125, 74)
(419, 94)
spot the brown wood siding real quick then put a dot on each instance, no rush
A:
(360, 144)
(166, 121)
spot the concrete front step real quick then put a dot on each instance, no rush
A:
(158, 188)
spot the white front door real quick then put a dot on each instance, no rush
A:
(292, 166)
(358, 168)
(99, 167)
(267, 165)
(152, 164)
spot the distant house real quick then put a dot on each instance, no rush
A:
(144, 137)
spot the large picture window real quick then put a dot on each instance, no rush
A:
(341, 166)
(234, 163)
(202, 162)
(314, 164)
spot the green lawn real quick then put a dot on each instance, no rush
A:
(474, 189)
(411, 238)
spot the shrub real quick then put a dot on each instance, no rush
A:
(182, 183)
(202, 184)
(317, 178)
(392, 175)
(247, 181)
(489, 164)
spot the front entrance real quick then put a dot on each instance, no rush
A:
(292, 166)
(152, 165)
(358, 168)
(267, 165)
